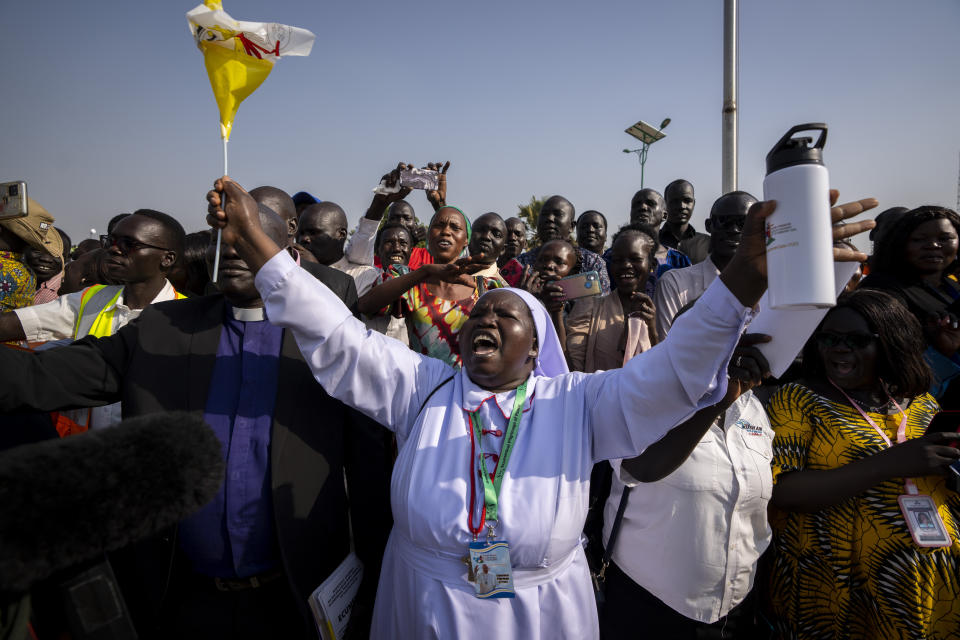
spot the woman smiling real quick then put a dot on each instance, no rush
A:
(512, 409)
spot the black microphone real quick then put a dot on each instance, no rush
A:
(63, 502)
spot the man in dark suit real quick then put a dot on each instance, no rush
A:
(244, 565)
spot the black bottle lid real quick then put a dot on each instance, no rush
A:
(790, 151)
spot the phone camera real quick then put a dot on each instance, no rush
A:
(13, 190)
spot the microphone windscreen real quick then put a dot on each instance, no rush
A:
(66, 501)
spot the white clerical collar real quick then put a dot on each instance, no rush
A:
(254, 314)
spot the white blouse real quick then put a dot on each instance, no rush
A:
(693, 539)
(573, 420)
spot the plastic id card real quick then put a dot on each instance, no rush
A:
(491, 569)
(926, 527)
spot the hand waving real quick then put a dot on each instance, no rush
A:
(438, 197)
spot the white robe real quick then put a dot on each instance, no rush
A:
(573, 421)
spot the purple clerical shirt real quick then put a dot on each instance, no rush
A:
(233, 535)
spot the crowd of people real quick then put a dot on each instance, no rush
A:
(413, 392)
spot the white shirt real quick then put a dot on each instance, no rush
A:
(359, 249)
(693, 539)
(364, 276)
(56, 319)
(387, 324)
(677, 287)
(573, 421)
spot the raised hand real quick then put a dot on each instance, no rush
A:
(841, 229)
(391, 180)
(438, 197)
(641, 306)
(746, 275)
(232, 210)
(459, 272)
(236, 214)
(530, 281)
(747, 367)
(553, 296)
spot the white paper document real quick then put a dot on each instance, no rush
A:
(791, 328)
(332, 601)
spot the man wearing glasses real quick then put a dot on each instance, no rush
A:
(677, 287)
(139, 253)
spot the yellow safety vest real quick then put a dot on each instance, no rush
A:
(98, 308)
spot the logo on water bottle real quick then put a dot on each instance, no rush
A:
(769, 234)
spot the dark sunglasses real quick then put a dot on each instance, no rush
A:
(127, 244)
(729, 223)
(851, 340)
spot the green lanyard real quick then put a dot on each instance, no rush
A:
(491, 489)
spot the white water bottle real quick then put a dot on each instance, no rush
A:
(798, 234)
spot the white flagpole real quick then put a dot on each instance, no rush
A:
(223, 204)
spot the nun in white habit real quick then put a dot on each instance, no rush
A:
(567, 423)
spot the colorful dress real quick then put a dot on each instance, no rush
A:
(434, 322)
(852, 570)
(17, 282)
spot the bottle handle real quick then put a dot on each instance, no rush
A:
(810, 126)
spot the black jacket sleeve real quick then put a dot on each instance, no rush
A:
(87, 373)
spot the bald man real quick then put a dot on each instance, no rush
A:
(280, 202)
(322, 230)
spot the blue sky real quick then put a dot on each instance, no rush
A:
(107, 107)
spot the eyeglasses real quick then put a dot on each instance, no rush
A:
(850, 340)
(729, 223)
(127, 244)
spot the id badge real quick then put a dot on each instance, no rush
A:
(923, 520)
(491, 570)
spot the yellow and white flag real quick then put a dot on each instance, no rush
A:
(240, 55)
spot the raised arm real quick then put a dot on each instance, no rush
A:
(87, 373)
(637, 405)
(360, 248)
(364, 369)
(747, 369)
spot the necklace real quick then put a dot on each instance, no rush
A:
(873, 408)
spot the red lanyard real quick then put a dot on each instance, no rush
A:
(473, 486)
(901, 430)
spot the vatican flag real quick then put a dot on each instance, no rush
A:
(240, 55)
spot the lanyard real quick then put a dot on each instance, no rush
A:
(491, 488)
(901, 430)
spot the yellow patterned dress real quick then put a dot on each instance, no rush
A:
(852, 570)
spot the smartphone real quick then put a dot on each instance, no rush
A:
(580, 285)
(953, 477)
(13, 200)
(424, 179)
(946, 420)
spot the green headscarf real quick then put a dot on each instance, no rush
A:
(466, 220)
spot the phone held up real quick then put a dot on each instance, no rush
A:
(13, 200)
(948, 420)
(580, 285)
(425, 179)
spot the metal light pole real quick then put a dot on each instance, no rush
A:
(647, 134)
(730, 73)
